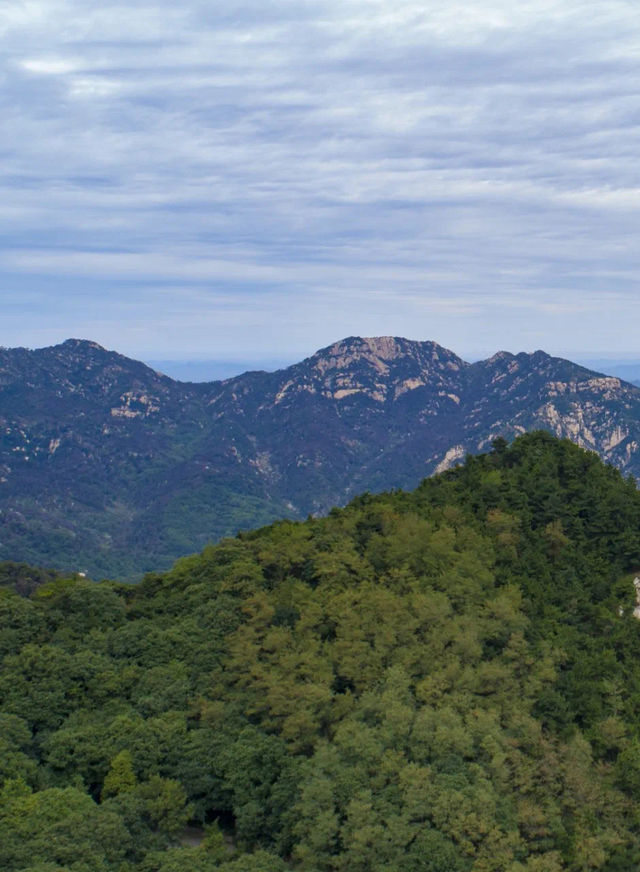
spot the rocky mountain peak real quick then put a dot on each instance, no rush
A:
(377, 368)
(382, 353)
(82, 361)
(80, 345)
(499, 357)
(354, 349)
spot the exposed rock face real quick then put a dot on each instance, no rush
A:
(108, 465)
(636, 586)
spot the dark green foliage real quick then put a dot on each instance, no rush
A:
(439, 681)
(24, 579)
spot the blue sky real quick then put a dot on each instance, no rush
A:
(255, 181)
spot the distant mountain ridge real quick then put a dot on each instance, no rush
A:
(109, 467)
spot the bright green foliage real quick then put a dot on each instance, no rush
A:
(181, 859)
(441, 681)
(56, 826)
(120, 778)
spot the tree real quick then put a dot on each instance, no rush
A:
(120, 778)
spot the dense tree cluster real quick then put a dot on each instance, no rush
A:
(439, 681)
(24, 579)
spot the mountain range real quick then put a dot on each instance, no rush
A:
(109, 467)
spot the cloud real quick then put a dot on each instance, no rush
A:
(332, 167)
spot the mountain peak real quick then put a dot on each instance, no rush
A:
(499, 356)
(381, 351)
(384, 347)
(537, 356)
(80, 344)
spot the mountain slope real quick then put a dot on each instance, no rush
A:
(439, 681)
(110, 467)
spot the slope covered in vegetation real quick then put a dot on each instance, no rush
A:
(446, 680)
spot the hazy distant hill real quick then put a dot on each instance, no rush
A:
(629, 370)
(109, 467)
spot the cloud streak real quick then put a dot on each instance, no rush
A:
(332, 167)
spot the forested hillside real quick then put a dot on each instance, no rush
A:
(439, 681)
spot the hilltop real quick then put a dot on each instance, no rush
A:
(445, 680)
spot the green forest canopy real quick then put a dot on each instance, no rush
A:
(439, 681)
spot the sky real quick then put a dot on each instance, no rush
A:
(251, 181)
